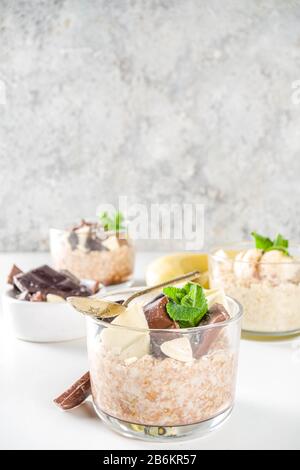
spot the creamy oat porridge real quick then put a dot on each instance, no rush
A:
(89, 251)
(265, 279)
(169, 362)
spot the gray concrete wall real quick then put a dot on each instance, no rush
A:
(159, 100)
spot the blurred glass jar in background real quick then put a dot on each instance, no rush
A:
(90, 252)
(266, 284)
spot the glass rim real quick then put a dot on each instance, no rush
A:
(247, 244)
(172, 331)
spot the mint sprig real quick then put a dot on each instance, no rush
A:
(266, 244)
(112, 222)
(187, 305)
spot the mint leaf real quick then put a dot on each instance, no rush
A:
(174, 293)
(187, 305)
(262, 243)
(266, 244)
(118, 222)
(281, 242)
(112, 223)
(197, 295)
(186, 316)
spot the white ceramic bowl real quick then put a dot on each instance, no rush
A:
(42, 321)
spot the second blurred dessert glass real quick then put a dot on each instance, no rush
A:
(267, 284)
(90, 252)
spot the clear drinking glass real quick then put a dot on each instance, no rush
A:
(107, 257)
(268, 291)
(140, 392)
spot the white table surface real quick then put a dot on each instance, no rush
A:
(266, 413)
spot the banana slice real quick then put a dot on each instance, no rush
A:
(128, 343)
(179, 349)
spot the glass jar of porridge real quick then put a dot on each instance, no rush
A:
(267, 284)
(89, 252)
(163, 384)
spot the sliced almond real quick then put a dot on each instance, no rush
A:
(179, 349)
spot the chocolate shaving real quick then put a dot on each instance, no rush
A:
(76, 394)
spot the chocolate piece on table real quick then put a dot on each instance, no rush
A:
(14, 271)
(48, 281)
(76, 394)
(216, 314)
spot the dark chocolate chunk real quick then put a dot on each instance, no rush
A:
(158, 318)
(156, 314)
(205, 339)
(70, 275)
(48, 281)
(82, 224)
(14, 271)
(217, 313)
(94, 244)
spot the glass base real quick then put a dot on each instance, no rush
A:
(163, 433)
(269, 335)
